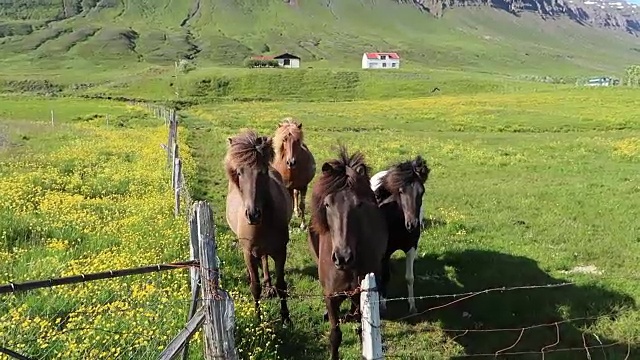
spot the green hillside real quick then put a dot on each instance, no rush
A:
(224, 32)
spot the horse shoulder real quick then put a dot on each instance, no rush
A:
(314, 244)
(280, 193)
(375, 230)
(233, 208)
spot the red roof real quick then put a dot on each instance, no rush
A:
(262, 57)
(376, 55)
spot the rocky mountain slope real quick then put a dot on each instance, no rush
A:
(609, 14)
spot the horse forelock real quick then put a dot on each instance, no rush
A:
(287, 127)
(405, 173)
(248, 149)
(344, 175)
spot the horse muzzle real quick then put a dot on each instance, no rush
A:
(342, 258)
(254, 216)
(411, 225)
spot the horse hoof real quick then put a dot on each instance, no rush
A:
(286, 321)
(413, 310)
(348, 318)
(269, 292)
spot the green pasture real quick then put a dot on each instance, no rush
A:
(526, 189)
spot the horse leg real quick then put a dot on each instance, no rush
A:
(281, 286)
(423, 221)
(354, 312)
(302, 194)
(292, 194)
(251, 263)
(410, 259)
(386, 275)
(269, 292)
(335, 336)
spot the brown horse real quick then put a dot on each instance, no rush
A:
(347, 236)
(294, 162)
(258, 211)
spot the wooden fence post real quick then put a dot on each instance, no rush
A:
(176, 190)
(370, 309)
(219, 324)
(174, 157)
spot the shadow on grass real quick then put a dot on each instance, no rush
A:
(477, 270)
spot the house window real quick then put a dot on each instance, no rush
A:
(384, 64)
(287, 62)
(393, 64)
(383, 57)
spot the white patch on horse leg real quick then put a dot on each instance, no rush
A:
(296, 212)
(411, 257)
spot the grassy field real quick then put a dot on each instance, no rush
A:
(525, 188)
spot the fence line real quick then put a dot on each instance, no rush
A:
(214, 309)
(75, 279)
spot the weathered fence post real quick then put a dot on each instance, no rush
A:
(51, 117)
(174, 157)
(176, 190)
(218, 328)
(194, 245)
(370, 309)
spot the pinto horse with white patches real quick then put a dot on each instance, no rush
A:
(399, 193)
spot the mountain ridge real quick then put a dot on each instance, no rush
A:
(608, 14)
(467, 35)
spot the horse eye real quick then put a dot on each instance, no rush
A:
(401, 190)
(326, 205)
(239, 172)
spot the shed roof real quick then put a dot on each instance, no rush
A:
(376, 55)
(286, 56)
(262, 57)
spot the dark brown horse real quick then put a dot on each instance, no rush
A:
(258, 211)
(295, 162)
(399, 192)
(347, 236)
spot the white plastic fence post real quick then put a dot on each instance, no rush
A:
(370, 309)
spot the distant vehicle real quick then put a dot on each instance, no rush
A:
(602, 81)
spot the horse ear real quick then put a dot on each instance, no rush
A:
(300, 126)
(326, 168)
(388, 200)
(361, 170)
(268, 141)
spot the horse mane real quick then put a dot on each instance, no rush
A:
(288, 126)
(247, 149)
(344, 172)
(402, 174)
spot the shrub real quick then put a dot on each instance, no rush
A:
(261, 63)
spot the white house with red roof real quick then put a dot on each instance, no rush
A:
(380, 60)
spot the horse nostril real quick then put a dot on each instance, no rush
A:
(253, 216)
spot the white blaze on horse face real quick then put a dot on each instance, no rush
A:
(411, 258)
